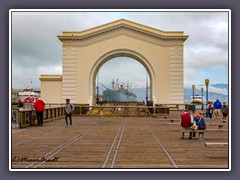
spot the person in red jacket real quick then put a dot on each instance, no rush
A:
(39, 107)
(186, 121)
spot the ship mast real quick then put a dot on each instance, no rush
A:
(113, 87)
(117, 85)
(30, 85)
(127, 86)
(131, 87)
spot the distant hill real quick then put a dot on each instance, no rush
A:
(212, 96)
(222, 86)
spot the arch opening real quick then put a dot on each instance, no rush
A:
(119, 55)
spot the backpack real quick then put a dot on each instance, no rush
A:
(200, 123)
(186, 120)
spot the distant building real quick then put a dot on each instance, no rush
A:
(19, 94)
(15, 93)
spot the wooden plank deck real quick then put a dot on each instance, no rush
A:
(87, 144)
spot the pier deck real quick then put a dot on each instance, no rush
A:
(115, 142)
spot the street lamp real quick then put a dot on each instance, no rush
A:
(193, 87)
(206, 83)
(202, 98)
(97, 99)
(146, 87)
(146, 92)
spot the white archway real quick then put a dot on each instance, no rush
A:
(84, 52)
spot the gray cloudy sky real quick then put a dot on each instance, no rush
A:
(36, 49)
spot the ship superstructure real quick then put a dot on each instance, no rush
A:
(119, 93)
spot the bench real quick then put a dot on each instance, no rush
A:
(216, 144)
(190, 130)
(220, 126)
(172, 120)
(217, 130)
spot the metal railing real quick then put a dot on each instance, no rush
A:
(22, 118)
(26, 116)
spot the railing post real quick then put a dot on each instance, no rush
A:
(15, 118)
(154, 111)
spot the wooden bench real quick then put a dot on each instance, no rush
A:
(217, 130)
(216, 144)
(220, 126)
(172, 120)
(190, 130)
(185, 130)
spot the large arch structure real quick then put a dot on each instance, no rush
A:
(84, 52)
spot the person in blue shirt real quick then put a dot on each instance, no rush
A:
(200, 123)
(217, 108)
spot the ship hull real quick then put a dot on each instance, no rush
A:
(118, 96)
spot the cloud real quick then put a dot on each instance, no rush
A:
(125, 70)
(36, 49)
(198, 58)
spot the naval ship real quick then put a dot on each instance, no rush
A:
(118, 93)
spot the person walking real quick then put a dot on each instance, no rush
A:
(224, 111)
(39, 107)
(68, 109)
(217, 108)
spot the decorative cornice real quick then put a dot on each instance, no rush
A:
(50, 78)
(123, 24)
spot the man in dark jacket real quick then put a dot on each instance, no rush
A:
(39, 107)
(224, 111)
(68, 109)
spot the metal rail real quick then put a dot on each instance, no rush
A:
(121, 128)
(163, 148)
(118, 145)
(45, 135)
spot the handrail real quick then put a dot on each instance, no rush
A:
(26, 116)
